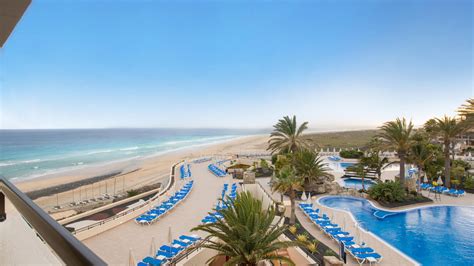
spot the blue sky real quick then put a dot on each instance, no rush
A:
(337, 64)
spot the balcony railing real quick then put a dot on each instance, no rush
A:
(70, 250)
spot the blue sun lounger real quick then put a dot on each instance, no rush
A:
(343, 238)
(336, 232)
(164, 254)
(192, 238)
(371, 257)
(152, 261)
(302, 205)
(209, 219)
(361, 250)
(170, 249)
(182, 243)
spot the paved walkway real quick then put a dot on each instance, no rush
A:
(114, 245)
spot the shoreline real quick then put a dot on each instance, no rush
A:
(87, 167)
(111, 167)
(70, 186)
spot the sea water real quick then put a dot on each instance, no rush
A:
(31, 153)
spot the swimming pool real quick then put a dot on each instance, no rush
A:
(357, 183)
(438, 235)
(339, 166)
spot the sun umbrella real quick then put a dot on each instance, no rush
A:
(303, 196)
(131, 259)
(152, 247)
(170, 236)
(357, 231)
(426, 179)
(309, 197)
(440, 181)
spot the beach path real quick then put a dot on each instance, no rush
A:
(114, 245)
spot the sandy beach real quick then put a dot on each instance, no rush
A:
(130, 174)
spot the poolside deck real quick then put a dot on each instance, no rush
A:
(114, 245)
(391, 256)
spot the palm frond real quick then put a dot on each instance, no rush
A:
(246, 233)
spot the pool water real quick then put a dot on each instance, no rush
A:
(438, 235)
(345, 165)
(357, 183)
(339, 166)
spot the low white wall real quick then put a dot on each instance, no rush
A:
(109, 224)
(105, 207)
(198, 257)
(258, 192)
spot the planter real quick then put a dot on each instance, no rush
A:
(405, 203)
(322, 250)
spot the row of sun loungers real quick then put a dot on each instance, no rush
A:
(166, 253)
(361, 253)
(222, 161)
(185, 171)
(216, 170)
(213, 217)
(202, 160)
(444, 190)
(165, 207)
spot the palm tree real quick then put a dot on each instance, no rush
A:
(287, 182)
(420, 154)
(447, 129)
(246, 234)
(360, 169)
(466, 111)
(309, 166)
(287, 137)
(375, 144)
(375, 162)
(397, 135)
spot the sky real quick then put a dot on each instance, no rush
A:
(235, 64)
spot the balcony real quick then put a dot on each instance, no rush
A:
(28, 235)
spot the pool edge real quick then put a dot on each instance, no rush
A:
(368, 232)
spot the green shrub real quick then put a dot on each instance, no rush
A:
(274, 158)
(469, 182)
(293, 229)
(312, 247)
(460, 163)
(391, 191)
(352, 154)
(329, 252)
(131, 193)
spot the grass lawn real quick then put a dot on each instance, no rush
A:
(346, 139)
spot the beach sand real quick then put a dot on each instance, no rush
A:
(135, 173)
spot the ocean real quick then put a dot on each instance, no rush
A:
(28, 154)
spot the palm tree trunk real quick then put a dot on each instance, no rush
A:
(419, 178)
(447, 164)
(293, 207)
(401, 155)
(452, 150)
(363, 185)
